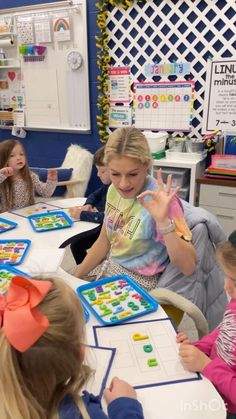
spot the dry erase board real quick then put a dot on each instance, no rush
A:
(47, 70)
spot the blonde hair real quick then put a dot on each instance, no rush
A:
(128, 142)
(6, 187)
(33, 383)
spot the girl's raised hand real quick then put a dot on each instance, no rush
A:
(52, 175)
(119, 388)
(158, 201)
(7, 171)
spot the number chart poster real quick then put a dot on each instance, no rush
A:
(164, 105)
(220, 96)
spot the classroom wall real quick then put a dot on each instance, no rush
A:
(47, 148)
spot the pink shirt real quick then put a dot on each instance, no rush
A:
(220, 346)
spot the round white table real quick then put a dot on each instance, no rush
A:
(186, 400)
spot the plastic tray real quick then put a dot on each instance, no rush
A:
(6, 225)
(48, 221)
(116, 299)
(86, 313)
(6, 275)
(12, 252)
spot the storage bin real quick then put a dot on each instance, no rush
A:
(183, 193)
(180, 176)
(156, 140)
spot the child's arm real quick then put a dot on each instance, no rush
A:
(92, 216)
(5, 172)
(45, 189)
(96, 255)
(223, 377)
(122, 401)
(182, 338)
(75, 212)
(52, 175)
(192, 358)
(95, 197)
(205, 344)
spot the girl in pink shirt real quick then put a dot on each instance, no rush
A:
(215, 354)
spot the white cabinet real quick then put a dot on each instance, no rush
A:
(219, 197)
(196, 167)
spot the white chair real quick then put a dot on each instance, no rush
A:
(81, 160)
(176, 305)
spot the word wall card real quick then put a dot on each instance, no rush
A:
(164, 105)
(146, 353)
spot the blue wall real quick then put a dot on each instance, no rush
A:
(47, 149)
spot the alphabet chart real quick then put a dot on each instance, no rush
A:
(164, 105)
(146, 353)
(13, 252)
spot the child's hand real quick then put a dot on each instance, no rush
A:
(76, 211)
(52, 175)
(7, 171)
(119, 388)
(192, 358)
(182, 338)
(158, 201)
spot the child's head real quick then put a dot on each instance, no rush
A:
(12, 154)
(226, 254)
(34, 382)
(102, 171)
(128, 142)
(128, 159)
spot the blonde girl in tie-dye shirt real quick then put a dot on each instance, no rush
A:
(138, 209)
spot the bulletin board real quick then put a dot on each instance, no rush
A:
(48, 77)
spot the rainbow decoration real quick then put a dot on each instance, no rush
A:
(61, 24)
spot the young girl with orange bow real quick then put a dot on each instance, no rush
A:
(17, 183)
(42, 357)
(215, 354)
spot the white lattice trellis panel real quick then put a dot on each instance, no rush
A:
(172, 30)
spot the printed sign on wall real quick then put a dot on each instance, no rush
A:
(164, 105)
(220, 96)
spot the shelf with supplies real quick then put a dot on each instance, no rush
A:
(196, 168)
(218, 196)
(9, 63)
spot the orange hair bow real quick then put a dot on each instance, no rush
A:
(23, 324)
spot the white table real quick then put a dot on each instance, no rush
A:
(186, 400)
(51, 239)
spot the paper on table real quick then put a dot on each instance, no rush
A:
(43, 261)
(100, 360)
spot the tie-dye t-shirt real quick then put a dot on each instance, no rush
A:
(136, 243)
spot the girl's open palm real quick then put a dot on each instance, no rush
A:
(158, 201)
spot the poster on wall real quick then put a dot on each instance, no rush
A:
(61, 27)
(164, 105)
(220, 96)
(119, 84)
(120, 116)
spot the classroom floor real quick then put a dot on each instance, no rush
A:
(187, 325)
